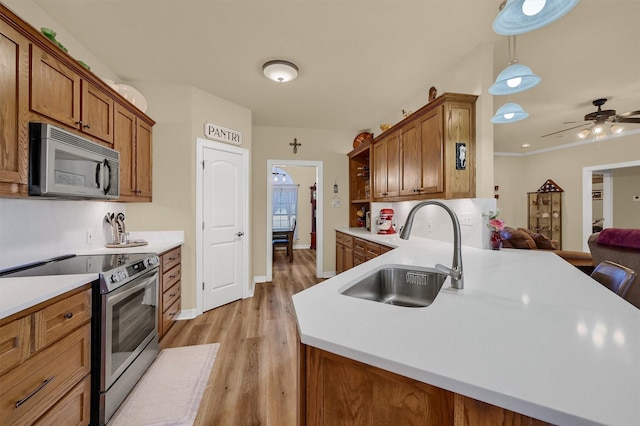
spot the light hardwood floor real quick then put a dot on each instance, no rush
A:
(253, 381)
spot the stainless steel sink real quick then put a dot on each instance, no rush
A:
(401, 286)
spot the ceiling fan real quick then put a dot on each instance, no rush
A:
(596, 120)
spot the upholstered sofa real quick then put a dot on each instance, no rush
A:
(522, 238)
(620, 246)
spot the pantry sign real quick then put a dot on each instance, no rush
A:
(222, 134)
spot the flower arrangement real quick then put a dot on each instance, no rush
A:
(493, 223)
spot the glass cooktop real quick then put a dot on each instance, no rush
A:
(72, 264)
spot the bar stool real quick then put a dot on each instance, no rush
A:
(615, 277)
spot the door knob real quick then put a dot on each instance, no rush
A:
(240, 234)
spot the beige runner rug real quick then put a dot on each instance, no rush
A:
(169, 393)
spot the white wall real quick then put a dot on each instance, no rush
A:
(36, 229)
(475, 235)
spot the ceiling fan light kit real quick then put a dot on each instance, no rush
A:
(522, 16)
(514, 79)
(509, 113)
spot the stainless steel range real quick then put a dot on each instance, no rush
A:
(124, 324)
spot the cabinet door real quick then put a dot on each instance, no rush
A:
(410, 182)
(431, 145)
(14, 86)
(143, 160)
(124, 143)
(97, 113)
(339, 258)
(386, 167)
(55, 88)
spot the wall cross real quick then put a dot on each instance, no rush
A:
(295, 145)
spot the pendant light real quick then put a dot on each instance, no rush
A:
(522, 16)
(509, 113)
(516, 77)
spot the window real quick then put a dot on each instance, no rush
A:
(285, 199)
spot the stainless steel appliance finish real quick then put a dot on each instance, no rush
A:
(128, 332)
(124, 320)
(65, 165)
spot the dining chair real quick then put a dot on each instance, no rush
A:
(285, 239)
(615, 277)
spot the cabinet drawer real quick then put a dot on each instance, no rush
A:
(73, 409)
(359, 245)
(339, 237)
(358, 258)
(384, 249)
(14, 343)
(171, 259)
(171, 295)
(347, 240)
(57, 320)
(170, 277)
(169, 315)
(37, 384)
(372, 250)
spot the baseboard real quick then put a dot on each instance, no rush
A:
(301, 246)
(328, 274)
(186, 314)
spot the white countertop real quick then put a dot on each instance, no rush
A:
(17, 294)
(529, 332)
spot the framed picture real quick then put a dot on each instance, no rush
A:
(461, 156)
(596, 195)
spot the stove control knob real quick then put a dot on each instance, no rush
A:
(123, 275)
(115, 278)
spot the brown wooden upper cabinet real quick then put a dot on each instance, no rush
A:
(133, 141)
(430, 154)
(41, 83)
(14, 83)
(59, 93)
(386, 166)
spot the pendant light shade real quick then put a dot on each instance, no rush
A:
(280, 71)
(509, 113)
(513, 79)
(522, 16)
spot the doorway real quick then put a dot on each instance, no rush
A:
(606, 196)
(318, 167)
(222, 224)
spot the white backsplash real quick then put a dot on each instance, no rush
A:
(474, 235)
(37, 229)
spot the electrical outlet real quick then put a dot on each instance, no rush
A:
(429, 226)
(89, 236)
(466, 219)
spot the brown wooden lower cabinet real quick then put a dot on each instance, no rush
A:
(334, 390)
(352, 251)
(170, 289)
(45, 362)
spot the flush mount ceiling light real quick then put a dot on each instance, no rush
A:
(509, 113)
(280, 71)
(516, 77)
(522, 16)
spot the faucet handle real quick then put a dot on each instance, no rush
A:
(454, 274)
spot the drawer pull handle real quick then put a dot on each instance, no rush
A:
(172, 276)
(42, 385)
(172, 314)
(68, 315)
(172, 295)
(172, 258)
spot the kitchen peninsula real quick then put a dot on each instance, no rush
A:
(529, 333)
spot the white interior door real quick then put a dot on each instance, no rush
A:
(223, 207)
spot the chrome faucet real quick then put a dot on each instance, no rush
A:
(455, 272)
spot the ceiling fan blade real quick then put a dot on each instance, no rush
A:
(560, 131)
(573, 122)
(628, 120)
(629, 114)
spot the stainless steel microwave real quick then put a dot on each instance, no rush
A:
(65, 165)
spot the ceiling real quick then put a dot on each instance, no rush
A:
(359, 60)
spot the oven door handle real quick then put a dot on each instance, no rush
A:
(143, 282)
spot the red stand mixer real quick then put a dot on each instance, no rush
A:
(385, 224)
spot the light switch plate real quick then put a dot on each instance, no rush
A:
(466, 219)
